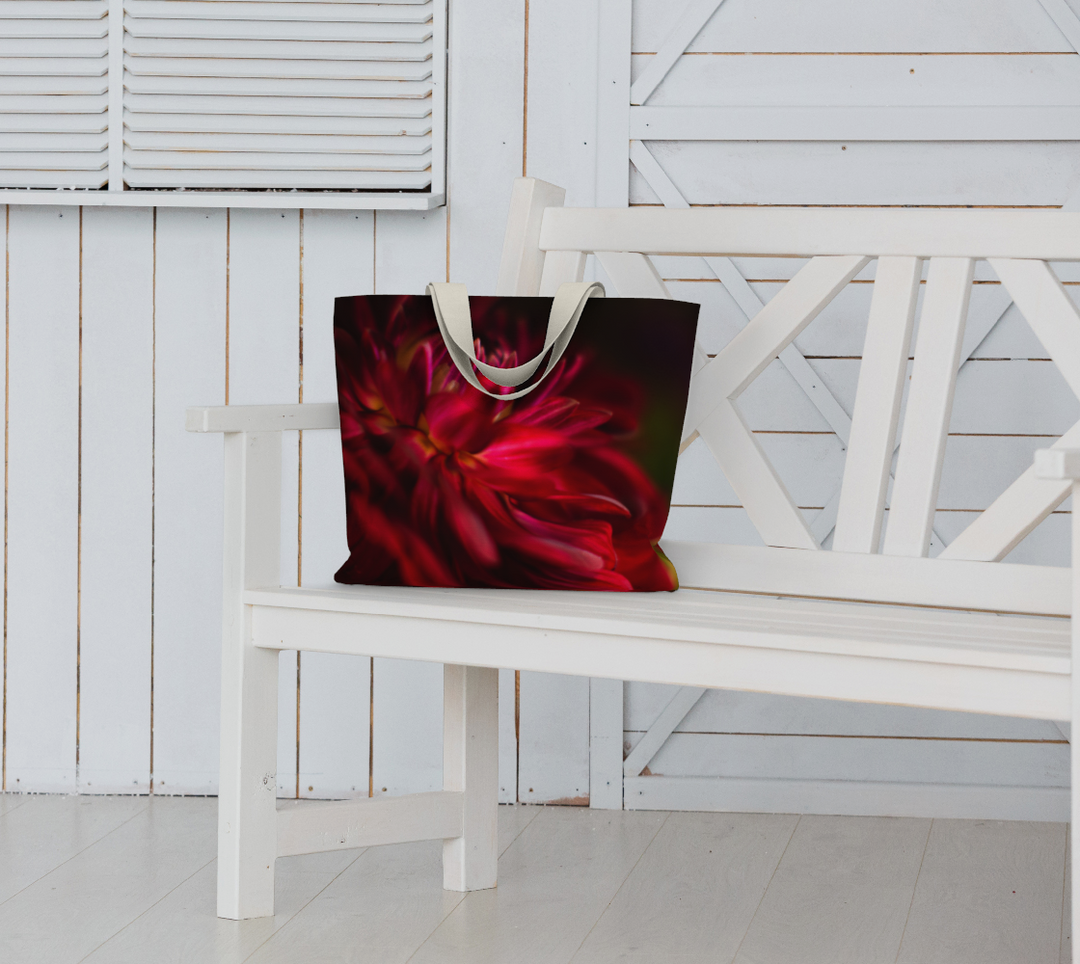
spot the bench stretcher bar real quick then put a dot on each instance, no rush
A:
(315, 827)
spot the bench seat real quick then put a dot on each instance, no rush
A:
(982, 662)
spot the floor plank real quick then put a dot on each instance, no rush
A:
(69, 912)
(840, 894)
(383, 907)
(1065, 954)
(47, 830)
(183, 927)
(555, 881)
(380, 910)
(990, 892)
(9, 801)
(692, 895)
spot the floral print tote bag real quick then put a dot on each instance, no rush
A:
(524, 443)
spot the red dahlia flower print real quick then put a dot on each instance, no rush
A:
(448, 487)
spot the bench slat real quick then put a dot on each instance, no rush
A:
(882, 374)
(967, 661)
(896, 580)
(806, 232)
(926, 424)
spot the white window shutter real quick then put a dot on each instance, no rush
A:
(54, 61)
(249, 94)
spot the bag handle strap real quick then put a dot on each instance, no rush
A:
(451, 304)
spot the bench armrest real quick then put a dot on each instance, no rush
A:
(262, 418)
(1057, 464)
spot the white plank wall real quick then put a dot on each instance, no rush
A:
(113, 622)
(190, 317)
(117, 500)
(1007, 403)
(43, 303)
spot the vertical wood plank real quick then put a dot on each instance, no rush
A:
(613, 104)
(43, 493)
(572, 119)
(508, 760)
(553, 762)
(926, 423)
(117, 499)
(190, 315)
(877, 405)
(605, 744)
(486, 128)
(406, 751)
(335, 703)
(264, 368)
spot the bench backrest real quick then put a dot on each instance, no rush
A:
(547, 244)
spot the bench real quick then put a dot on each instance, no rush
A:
(875, 619)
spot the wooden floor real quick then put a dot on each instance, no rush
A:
(113, 880)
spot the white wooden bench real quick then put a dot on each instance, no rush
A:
(873, 620)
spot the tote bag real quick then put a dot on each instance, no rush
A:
(524, 443)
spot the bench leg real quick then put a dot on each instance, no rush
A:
(247, 793)
(471, 765)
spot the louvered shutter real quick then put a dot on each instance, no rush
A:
(249, 94)
(54, 61)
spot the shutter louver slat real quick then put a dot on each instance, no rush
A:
(306, 11)
(382, 126)
(249, 94)
(53, 93)
(141, 67)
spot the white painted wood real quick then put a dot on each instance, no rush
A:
(553, 750)
(672, 715)
(858, 911)
(522, 261)
(751, 351)
(35, 840)
(561, 266)
(263, 418)
(1017, 511)
(179, 835)
(1065, 20)
(896, 579)
(306, 828)
(612, 108)
(633, 275)
(1009, 906)
(881, 122)
(329, 200)
(1041, 764)
(183, 927)
(42, 498)
(847, 27)
(335, 692)
(485, 147)
(471, 767)
(117, 501)
(814, 233)
(605, 744)
(926, 425)
(686, 28)
(866, 79)
(190, 333)
(694, 892)
(877, 406)
(926, 660)
(1048, 309)
(1074, 751)
(767, 502)
(519, 920)
(508, 737)
(247, 787)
